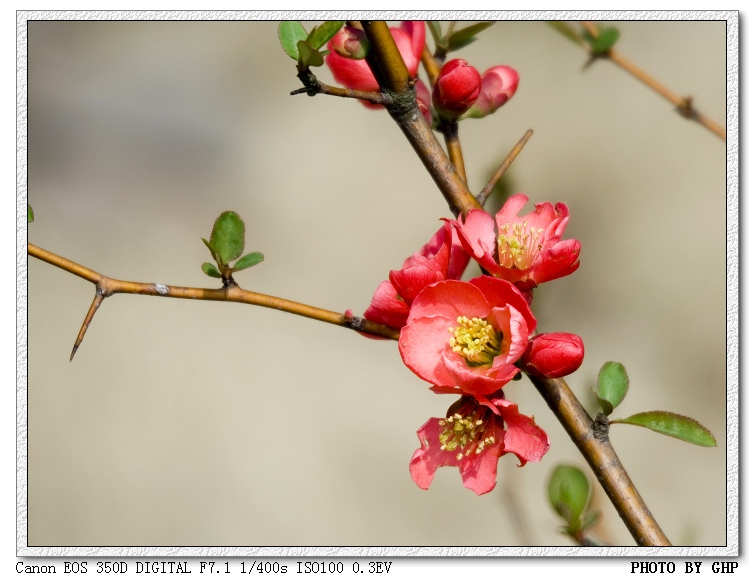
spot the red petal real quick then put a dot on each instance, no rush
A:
(450, 298)
(499, 293)
(387, 307)
(422, 343)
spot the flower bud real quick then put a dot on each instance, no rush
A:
(499, 84)
(456, 89)
(554, 355)
(351, 43)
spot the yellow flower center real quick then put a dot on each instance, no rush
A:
(475, 340)
(464, 434)
(519, 248)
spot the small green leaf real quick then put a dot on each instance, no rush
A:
(249, 260)
(308, 56)
(567, 31)
(434, 26)
(213, 252)
(466, 36)
(289, 33)
(673, 425)
(324, 32)
(604, 41)
(210, 270)
(228, 236)
(613, 384)
(569, 492)
(590, 519)
(29, 213)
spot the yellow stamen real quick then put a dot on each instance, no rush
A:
(520, 248)
(475, 340)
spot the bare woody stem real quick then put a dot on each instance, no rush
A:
(385, 62)
(450, 132)
(322, 88)
(485, 193)
(595, 447)
(683, 104)
(107, 286)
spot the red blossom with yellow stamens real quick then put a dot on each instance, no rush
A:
(464, 337)
(526, 250)
(475, 433)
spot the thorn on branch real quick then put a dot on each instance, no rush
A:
(99, 296)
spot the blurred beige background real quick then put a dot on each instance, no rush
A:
(196, 423)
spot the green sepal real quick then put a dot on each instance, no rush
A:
(210, 270)
(308, 56)
(434, 26)
(604, 41)
(673, 425)
(248, 260)
(320, 35)
(466, 36)
(29, 213)
(569, 493)
(228, 237)
(613, 384)
(290, 32)
(567, 31)
(590, 519)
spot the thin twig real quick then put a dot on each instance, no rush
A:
(601, 457)
(430, 65)
(450, 131)
(485, 193)
(322, 88)
(107, 286)
(98, 298)
(683, 104)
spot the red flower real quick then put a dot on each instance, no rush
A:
(464, 337)
(456, 89)
(356, 74)
(473, 436)
(499, 84)
(441, 258)
(553, 355)
(526, 250)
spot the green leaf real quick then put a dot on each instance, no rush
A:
(213, 252)
(465, 36)
(569, 492)
(604, 41)
(289, 33)
(590, 519)
(434, 26)
(324, 32)
(567, 31)
(29, 213)
(308, 56)
(228, 237)
(210, 270)
(673, 425)
(249, 260)
(613, 384)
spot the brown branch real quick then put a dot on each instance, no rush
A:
(450, 131)
(682, 104)
(107, 286)
(431, 66)
(322, 88)
(599, 454)
(485, 193)
(404, 111)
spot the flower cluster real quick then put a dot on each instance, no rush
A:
(470, 338)
(459, 90)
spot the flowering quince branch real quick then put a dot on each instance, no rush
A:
(510, 157)
(683, 104)
(317, 87)
(107, 286)
(490, 323)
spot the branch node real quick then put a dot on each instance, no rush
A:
(356, 323)
(685, 108)
(309, 80)
(600, 427)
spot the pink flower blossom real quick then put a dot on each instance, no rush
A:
(456, 89)
(464, 337)
(499, 84)
(474, 435)
(441, 258)
(356, 74)
(526, 250)
(554, 355)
